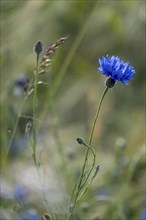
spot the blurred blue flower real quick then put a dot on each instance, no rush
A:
(116, 69)
(31, 214)
(143, 214)
(20, 192)
(24, 216)
(20, 85)
(18, 145)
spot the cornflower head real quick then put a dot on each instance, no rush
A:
(116, 69)
(46, 61)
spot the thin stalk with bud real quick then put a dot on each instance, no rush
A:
(116, 70)
(86, 178)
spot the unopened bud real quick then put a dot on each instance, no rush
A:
(80, 141)
(38, 47)
(110, 83)
(46, 217)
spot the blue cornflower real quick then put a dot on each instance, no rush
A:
(30, 214)
(20, 192)
(143, 212)
(21, 85)
(116, 69)
(21, 81)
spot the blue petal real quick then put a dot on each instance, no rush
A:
(116, 68)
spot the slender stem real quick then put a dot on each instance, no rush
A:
(97, 114)
(92, 166)
(80, 186)
(35, 108)
(34, 132)
(92, 132)
(81, 183)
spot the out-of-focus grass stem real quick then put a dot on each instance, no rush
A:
(34, 130)
(13, 131)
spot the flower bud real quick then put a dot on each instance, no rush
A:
(38, 47)
(80, 141)
(110, 83)
(46, 217)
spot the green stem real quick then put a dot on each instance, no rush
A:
(91, 135)
(92, 166)
(92, 132)
(97, 114)
(34, 131)
(35, 109)
(79, 187)
(81, 183)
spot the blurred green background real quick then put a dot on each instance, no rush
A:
(94, 28)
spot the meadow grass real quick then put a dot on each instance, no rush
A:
(117, 192)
